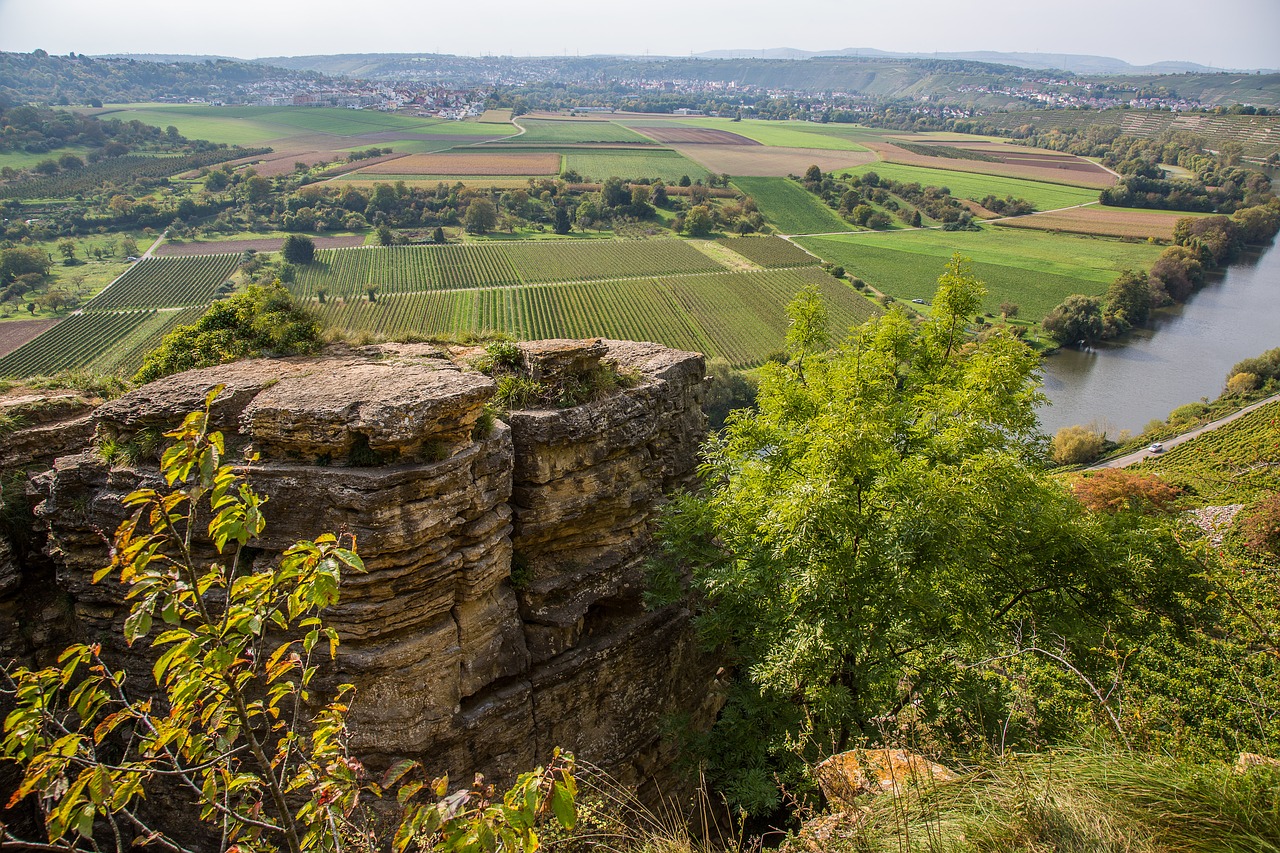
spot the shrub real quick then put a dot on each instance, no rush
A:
(1243, 383)
(1117, 490)
(261, 321)
(1261, 525)
(1077, 445)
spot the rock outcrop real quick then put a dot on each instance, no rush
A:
(500, 614)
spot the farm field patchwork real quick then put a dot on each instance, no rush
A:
(1037, 270)
(1071, 171)
(571, 131)
(790, 207)
(764, 161)
(1045, 196)
(73, 343)
(777, 133)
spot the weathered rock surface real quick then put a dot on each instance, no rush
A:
(500, 615)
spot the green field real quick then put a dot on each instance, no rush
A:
(256, 125)
(1034, 269)
(25, 159)
(780, 134)
(1248, 448)
(570, 132)
(790, 207)
(600, 163)
(1044, 196)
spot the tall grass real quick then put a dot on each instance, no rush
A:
(1079, 801)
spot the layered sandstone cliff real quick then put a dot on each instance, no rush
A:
(500, 614)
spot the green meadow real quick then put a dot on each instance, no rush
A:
(600, 163)
(1037, 270)
(1044, 196)
(790, 207)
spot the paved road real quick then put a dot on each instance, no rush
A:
(1144, 453)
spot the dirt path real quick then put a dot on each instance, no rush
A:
(1169, 443)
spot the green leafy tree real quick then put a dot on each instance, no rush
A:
(1129, 297)
(1077, 320)
(298, 249)
(699, 221)
(881, 525)
(481, 216)
(238, 723)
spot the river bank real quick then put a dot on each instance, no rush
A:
(1182, 356)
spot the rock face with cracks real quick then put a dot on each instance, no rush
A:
(500, 615)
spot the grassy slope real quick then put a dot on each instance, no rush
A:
(790, 207)
(1034, 269)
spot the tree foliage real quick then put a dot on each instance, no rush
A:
(1077, 320)
(264, 320)
(298, 249)
(237, 721)
(1077, 445)
(883, 523)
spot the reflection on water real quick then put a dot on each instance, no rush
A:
(1184, 356)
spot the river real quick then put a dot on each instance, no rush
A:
(1183, 356)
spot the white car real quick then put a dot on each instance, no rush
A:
(1156, 448)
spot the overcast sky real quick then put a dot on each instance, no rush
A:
(1222, 33)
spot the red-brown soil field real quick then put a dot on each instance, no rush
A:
(694, 136)
(18, 332)
(470, 163)
(266, 244)
(1102, 221)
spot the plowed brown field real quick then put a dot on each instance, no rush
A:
(469, 163)
(17, 333)
(694, 136)
(1033, 166)
(767, 162)
(1102, 221)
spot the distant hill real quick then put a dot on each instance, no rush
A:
(1076, 63)
(61, 80)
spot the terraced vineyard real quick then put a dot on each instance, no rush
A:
(402, 269)
(125, 355)
(661, 290)
(74, 343)
(173, 282)
(586, 260)
(770, 252)
(740, 316)
(1248, 449)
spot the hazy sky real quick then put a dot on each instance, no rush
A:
(1242, 34)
